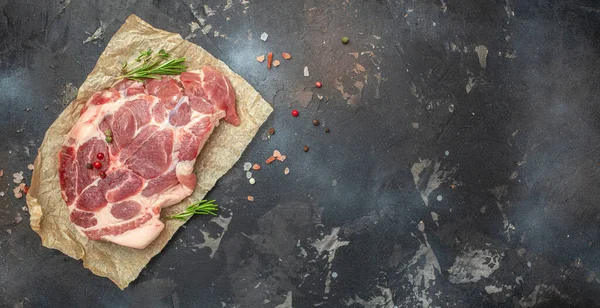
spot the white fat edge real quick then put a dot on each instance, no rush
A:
(143, 234)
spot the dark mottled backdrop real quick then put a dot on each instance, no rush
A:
(460, 170)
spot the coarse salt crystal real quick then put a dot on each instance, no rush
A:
(1, 194)
(264, 36)
(286, 171)
(30, 167)
(247, 166)
(248, 175)
(18, 177)
(306, 71)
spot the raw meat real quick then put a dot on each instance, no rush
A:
(158, 129)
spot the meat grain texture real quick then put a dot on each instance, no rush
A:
(158, 129)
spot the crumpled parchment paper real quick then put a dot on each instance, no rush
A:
(49, 213)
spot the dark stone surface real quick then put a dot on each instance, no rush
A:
(519, 211)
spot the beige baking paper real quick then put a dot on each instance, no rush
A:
(49, 214)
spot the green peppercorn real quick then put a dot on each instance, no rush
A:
(345, 40)
(108, 139)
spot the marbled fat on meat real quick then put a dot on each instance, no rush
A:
(158, 129)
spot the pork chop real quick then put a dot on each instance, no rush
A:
(133, 149)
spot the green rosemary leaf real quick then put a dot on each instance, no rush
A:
(204, 207)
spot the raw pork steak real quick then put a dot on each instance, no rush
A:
(115, 189)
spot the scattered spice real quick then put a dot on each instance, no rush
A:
(271, 131)
(18, 218)
(326, 129)
(18, 177)
(295, 112)
(316, 122)
(276, 63)
(318, 84)
(108, 134)
(260, 58)
(345, 40)
(100, 156)
(269, 59)
(320, 96)
(30, 167)
(17, 192)
(270, 160)
(247, 166)
(2, 172)
(25, 189)
(256, 167)
(306, 148)
(248, 175)
(250, 198)
(97, 165)
(286, 171)
(286, 55)
(281, 158)
(453, 186)
(276, 154)
(89, 166)
(102, 174)
(252, 181)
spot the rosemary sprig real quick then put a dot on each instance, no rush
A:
(203, 207)
(152, 66)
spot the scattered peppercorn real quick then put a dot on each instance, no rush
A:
(97, 165)
(306, 148)
(345, 40)
(100, 156)
(326, 129)
(316, 122)
(89, 166)
(102, 174)
(318, 84)
(271, 131)
(295, 112)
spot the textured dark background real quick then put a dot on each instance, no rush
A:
(514, 160)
